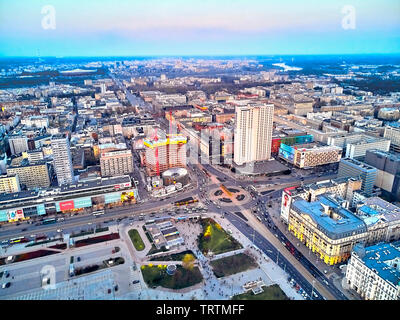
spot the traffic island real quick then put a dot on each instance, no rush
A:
(136, 240)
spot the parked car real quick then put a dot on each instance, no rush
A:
(6, 285)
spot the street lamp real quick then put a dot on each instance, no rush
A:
(312, 290)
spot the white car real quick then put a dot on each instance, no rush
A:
(59, 230)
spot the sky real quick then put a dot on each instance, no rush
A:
(206, 27)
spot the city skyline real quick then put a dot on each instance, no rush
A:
(138, 28)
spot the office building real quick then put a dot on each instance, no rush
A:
(253, 133)
(374, 272)
(351, 168)
(62, 160)
(388, 166)
(9, 184)
(18, 144)
(356, 145)
(116, 163)
(162, 153)
(32, 175)
(393, 134)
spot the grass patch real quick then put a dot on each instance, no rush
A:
(232, 264)
(215, 239)
(136, 240)
(156, 276)
(174, 257)
(273, 292)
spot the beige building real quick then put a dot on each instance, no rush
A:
(253, 133)
(9, 184)
(35, 175)
(115, 163)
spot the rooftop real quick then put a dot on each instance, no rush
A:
(331, 218)
(384, 259)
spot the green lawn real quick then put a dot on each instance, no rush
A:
(136, 239)
(182, 278)
(273, 292)
(218, 241)
(232, 264)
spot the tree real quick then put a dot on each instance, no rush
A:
(188, 261)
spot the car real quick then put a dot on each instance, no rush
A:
(24, 229)
(59, 230)
(135, 281)
(6, 285)
(78, 259)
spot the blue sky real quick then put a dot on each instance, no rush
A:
(184, 27)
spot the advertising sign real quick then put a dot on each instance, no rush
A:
(15, 214)
(66, 205)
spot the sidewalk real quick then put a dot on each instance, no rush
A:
(333, 272)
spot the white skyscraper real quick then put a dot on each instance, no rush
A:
(253, 133)
(62, 160)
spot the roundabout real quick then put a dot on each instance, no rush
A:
(227, 195)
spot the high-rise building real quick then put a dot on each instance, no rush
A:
(351, 168)
(9, 184)
(253, 133)
(62, 160)
(162, 154)
(116, 163)
(18, 144)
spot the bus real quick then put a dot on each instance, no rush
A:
(18, 240)
(98, 213)
(49, 221)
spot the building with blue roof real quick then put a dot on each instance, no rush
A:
(326, 227)
(374, 272)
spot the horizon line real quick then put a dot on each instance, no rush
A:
(204, 55)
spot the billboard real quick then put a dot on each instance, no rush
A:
(285, 207)
(15, 214)
(41, 209)
(3, 215)
(287, 152)
(83, 203)
(112, 197)
(65, 205)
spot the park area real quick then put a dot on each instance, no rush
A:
(136, 240)
(232, 264)
(273, 292)
(216, 240)
(156, 275)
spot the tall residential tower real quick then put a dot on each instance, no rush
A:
(62, 160)
(253, 133)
